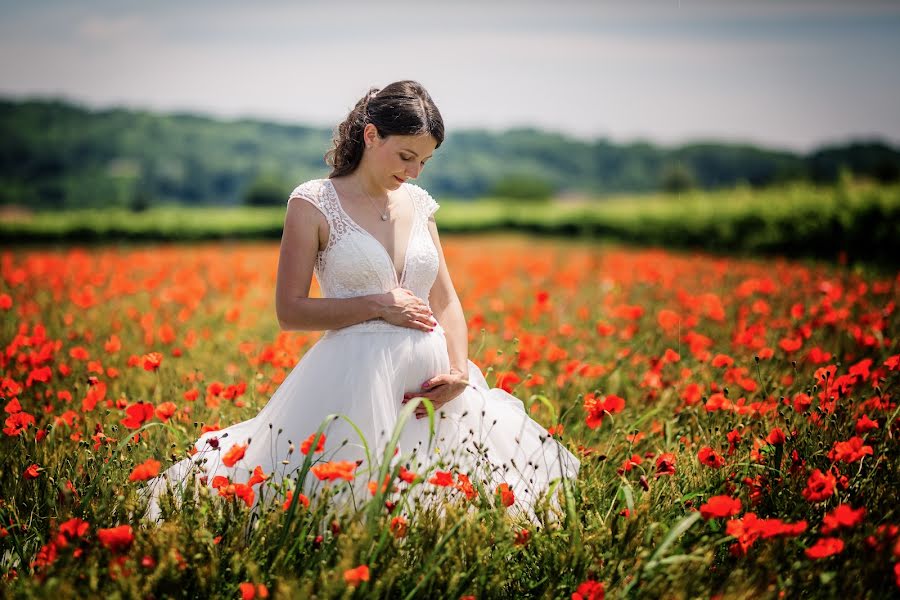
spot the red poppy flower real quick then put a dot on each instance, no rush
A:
(138, 414)
(301, 499)
(151, 361)
(842, 516)
(357, 575)
(308, 442)
(710, 458)
(665, 465)
(399, 526)
(258, 476)
(18, 423)
(819, 486)
(824, 547)
(116, 539)
(719, 507)
(442, 478)
(331, 471)
(850, 451)
(589, 590)
(596, 408)
(144, 471)
(507, 498)
(234, 454)
(776, 436)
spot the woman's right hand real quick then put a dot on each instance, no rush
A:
(401, 307)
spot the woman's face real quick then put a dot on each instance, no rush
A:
(396, 158)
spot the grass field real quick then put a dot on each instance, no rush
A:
(736, 419)
(857, 221)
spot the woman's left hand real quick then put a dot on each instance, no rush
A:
(440, 390)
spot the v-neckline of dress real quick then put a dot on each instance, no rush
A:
(397, 278)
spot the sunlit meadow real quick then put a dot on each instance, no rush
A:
(736, 421)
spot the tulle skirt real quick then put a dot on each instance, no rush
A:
(350, 384)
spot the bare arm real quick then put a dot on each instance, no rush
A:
(304, 227)
(448, 309)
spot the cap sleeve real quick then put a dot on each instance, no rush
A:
(431, 205)
(426, 203)
(308, 191)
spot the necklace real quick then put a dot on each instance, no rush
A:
(385, 214)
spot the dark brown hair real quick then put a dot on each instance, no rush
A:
(401, 108)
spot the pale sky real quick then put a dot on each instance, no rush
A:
(783, 73)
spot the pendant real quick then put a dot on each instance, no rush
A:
(384, 217)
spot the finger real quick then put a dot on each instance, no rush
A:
(415, 323)
(434, 382)
(424, 322)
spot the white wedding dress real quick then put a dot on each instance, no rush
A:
(362, 372)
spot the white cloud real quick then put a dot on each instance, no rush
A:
(579, 67)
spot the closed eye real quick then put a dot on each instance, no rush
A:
(410, 158)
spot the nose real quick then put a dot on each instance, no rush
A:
(412, 173)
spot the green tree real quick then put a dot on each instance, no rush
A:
(676, 177)
(521, 187)
(266, 190)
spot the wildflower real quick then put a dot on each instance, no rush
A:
(144, 471)
(865, 424)
(507, 498)
(719, 507)
(465, 486)
(407, 476)
(819, 486)
(249, 591)
(234, 454)
(151, 361)
(850, 451)
(824, 547)
(301, 499)
(257, 477)
(74, 528)
(522, 537)
(710, 458)
(138, 414)
(589, 590)
(165, 411)
(331, 471)
(308, 442)
(356, 576)
(18, 423)
(442, 478)
(32, 472)
(596, 408)
(842, 516)
(776, 436)
(116, 539)
(722, 360)
(399, 526)
(665, 465)
(630, 463)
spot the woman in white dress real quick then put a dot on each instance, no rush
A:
(394, 332)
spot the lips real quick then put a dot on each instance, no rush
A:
(398, 179)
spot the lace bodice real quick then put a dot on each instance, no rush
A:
(354, 263)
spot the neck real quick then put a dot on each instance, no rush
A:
(366, 183)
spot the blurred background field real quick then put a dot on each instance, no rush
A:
(852, 220)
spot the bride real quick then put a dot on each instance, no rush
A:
(389, 383)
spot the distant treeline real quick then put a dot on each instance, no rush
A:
(56, 154)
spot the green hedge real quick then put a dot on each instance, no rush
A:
(800, 220)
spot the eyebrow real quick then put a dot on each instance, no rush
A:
(414, 154)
